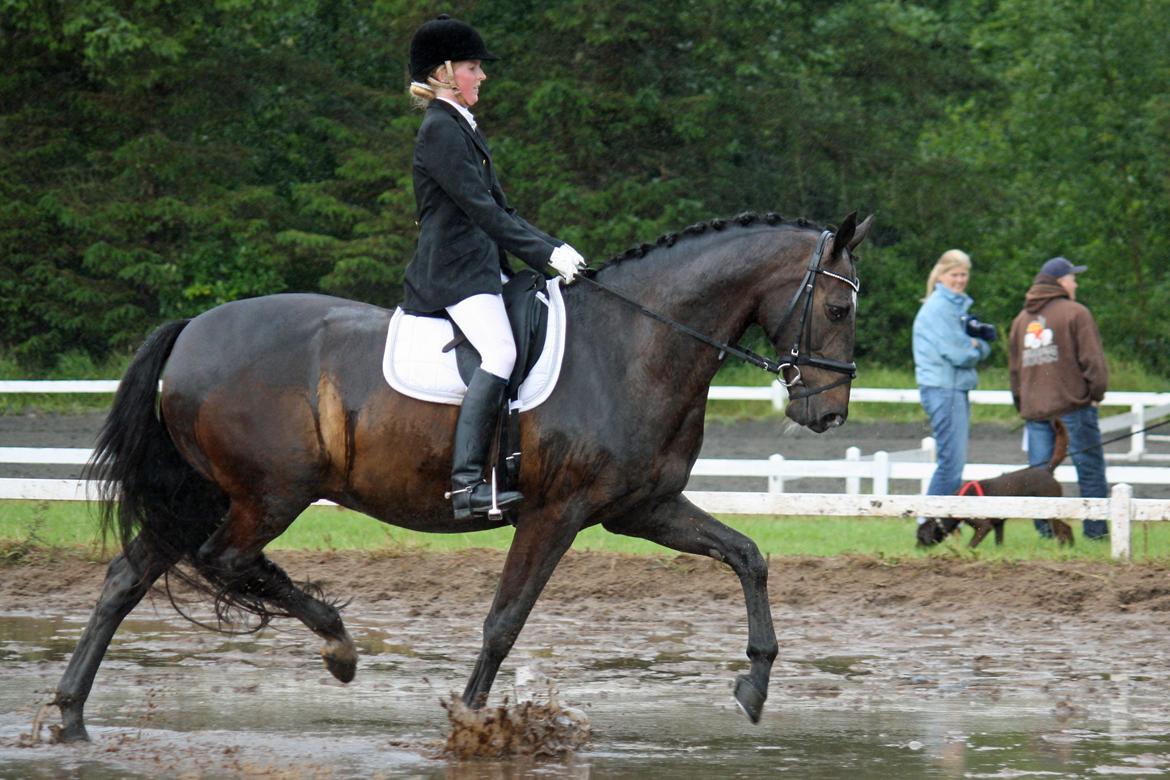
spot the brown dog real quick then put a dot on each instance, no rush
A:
(1034, 481)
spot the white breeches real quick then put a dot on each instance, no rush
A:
(484, 321)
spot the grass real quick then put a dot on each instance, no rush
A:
(67, 525)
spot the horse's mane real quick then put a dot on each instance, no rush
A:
(744, 219)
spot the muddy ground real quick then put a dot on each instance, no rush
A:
(929, 668)
(936, 667)
(434, 583)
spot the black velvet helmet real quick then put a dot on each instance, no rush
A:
(442, 39)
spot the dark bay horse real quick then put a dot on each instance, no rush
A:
(270, 403)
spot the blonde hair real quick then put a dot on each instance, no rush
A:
(422, 94)
(948, 260)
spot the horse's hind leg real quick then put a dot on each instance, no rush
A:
(680, 525)
(268, 581)
(232, 558)
(128, 578)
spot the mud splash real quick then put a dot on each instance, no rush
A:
(527, 728)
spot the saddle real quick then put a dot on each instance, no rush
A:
(428, 359)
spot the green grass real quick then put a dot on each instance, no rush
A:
(25, 525)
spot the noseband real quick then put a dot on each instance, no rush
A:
(796, 357)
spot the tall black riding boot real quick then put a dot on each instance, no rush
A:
(470, 494)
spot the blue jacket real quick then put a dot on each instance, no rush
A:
(943, 354)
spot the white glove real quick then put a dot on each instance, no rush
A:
(567, 262)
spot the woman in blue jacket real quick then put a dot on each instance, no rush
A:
(945, 356)
(465, 228)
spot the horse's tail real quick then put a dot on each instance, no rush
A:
(146, 487)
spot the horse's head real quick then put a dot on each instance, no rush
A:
(813, 325)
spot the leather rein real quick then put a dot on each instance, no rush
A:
(796, 357)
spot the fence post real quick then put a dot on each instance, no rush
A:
(1137, 442)
(1120, 514)
(853, 484)
(776, 478)
(928, 446)
(779, 396)
(881, 473)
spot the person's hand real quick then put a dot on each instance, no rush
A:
(567, 262)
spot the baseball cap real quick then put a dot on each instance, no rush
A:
(1061, 266)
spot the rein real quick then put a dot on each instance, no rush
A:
(796, 357)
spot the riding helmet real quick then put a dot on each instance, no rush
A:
(442, 39)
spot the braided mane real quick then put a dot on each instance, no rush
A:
(743, 220)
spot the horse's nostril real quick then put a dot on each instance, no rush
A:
(832, 420)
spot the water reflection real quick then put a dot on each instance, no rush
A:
(175, 699)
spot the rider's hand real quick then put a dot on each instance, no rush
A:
(567, 262)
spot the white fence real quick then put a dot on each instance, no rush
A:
(1120, 508)
(1144, 408)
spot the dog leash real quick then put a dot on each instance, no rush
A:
(1119, 438)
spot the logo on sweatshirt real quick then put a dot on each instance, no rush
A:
(1038, 346)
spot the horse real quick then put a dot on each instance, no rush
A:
(271, 403)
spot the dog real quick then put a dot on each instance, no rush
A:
(1033, 481)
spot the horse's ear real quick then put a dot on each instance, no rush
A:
(861, 232)
(844, 233)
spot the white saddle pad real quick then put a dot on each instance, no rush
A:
(415, 365)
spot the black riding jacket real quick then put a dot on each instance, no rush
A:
(465, 224)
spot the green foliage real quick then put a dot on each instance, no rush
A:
(158, 159)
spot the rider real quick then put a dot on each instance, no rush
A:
(465, 226)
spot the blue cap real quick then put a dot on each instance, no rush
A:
(1060, 266)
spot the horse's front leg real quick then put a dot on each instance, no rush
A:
(537, 547)
(680, 525)
(128, 578)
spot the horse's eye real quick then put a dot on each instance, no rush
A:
(837, 312)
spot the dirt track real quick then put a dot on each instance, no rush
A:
(915, 665)
(442, 581)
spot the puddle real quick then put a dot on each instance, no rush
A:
(852, 697)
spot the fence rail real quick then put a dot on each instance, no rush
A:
(1121, 508)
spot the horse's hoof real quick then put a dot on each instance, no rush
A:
(62, 734)
(749, 698)
(341, 660)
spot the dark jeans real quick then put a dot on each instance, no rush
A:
(1084, 439)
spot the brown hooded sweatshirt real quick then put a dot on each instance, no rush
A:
(1055, 356)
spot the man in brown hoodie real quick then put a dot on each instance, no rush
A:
(1058, 369)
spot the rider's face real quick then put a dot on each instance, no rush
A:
(469, 75)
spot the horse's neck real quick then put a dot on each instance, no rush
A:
(713, 290)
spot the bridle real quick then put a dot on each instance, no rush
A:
(796, 356)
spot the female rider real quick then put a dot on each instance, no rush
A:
(465, 227)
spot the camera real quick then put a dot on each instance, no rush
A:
(978, 330)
